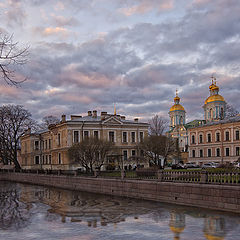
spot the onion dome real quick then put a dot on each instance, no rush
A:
(214, 96)
(177, 106)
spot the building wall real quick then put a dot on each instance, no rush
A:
(55, 156)
(219, 197)
(233, 143)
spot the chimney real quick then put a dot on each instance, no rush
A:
(103, 115)
(95, 113)
(135, 119)
(63, 118)
(89, 113)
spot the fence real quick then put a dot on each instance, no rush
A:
(217, 177)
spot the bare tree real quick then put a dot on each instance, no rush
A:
(14, 121)
(231, 111)
(48, 120)
(10, 56)
(157, 147)
(157, 126)
(91, 152)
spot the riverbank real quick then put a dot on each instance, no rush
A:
(216, 197)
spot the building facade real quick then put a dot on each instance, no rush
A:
(217, 140)
(49, 149)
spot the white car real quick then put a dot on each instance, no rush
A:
(208, 165)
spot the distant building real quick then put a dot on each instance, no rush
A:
(218, 139)
(48, 149)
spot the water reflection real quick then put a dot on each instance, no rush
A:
(32, 208)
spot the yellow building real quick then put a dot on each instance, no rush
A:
(48, 149)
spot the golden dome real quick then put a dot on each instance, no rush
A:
(177, 98)
(177, 107)
(210, 237)
(214, 98)
(176, 229)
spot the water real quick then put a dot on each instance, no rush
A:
(35, 212)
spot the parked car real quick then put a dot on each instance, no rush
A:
(236, 164)
(177, 166)
(191, 165)
(208, 165)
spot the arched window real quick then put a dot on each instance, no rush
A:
(217, 137)
(200, 138)
(211, 113)
(193, 139)
(227, 136)
(209, 137)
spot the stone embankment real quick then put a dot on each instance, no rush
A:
(211, 196)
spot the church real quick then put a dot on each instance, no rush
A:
(214, 139)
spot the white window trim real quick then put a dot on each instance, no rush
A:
(115, 137)
(123, 153)
(78, 136)
(127, 136)
(35, 145)
(227, 130)
(84, 133)
(139, 139)
(219, 152)
(211, 152)
(98, 133)
(207, 136)
(135, 137)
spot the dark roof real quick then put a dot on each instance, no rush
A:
(223, 121)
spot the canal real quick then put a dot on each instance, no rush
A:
(34, 212)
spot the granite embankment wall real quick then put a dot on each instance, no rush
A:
(218, 197)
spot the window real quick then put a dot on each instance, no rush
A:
(124, 137)
(111, 136)
(86, 134)
(193, 153)
(59, 158)
(125, 155)
(201, 153)
(95, 134)
(43, 160)
(218, 152)
(237, 151)
(133, 152)
(37, 160)
(209, 137)
(75, 136)
(141, 136)
(42, 145)
(49, 143)
(227, 152)
(209, 152)
(227, 136)
(200, 138)
(59, 139)
(133, 137)
(45, 144)
(218, 137)
(193, 139)
(237, 135)
(50, 159)
(36, 145)
(46, 159)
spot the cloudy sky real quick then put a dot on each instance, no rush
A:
(90, 54)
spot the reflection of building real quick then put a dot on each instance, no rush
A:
(214, 228)
(48, 149)
(177, 224)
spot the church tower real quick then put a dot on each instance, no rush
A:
(177, 113)
(215, 105)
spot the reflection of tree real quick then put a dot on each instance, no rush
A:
(177, 223)
(13, 213)
(214, 227)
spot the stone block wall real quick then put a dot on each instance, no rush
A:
(218, 197)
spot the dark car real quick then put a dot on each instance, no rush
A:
(177, 166)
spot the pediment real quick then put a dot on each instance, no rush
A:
(112, 120)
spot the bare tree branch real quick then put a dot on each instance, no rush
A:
(157, 126)
(11, 55)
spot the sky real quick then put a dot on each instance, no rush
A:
(89, 54)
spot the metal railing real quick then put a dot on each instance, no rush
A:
(194, 176)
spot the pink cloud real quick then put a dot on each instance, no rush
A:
(53, 31)
(146, 6)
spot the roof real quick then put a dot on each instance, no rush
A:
(177, 107)
(223, 121)
(215, 98)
